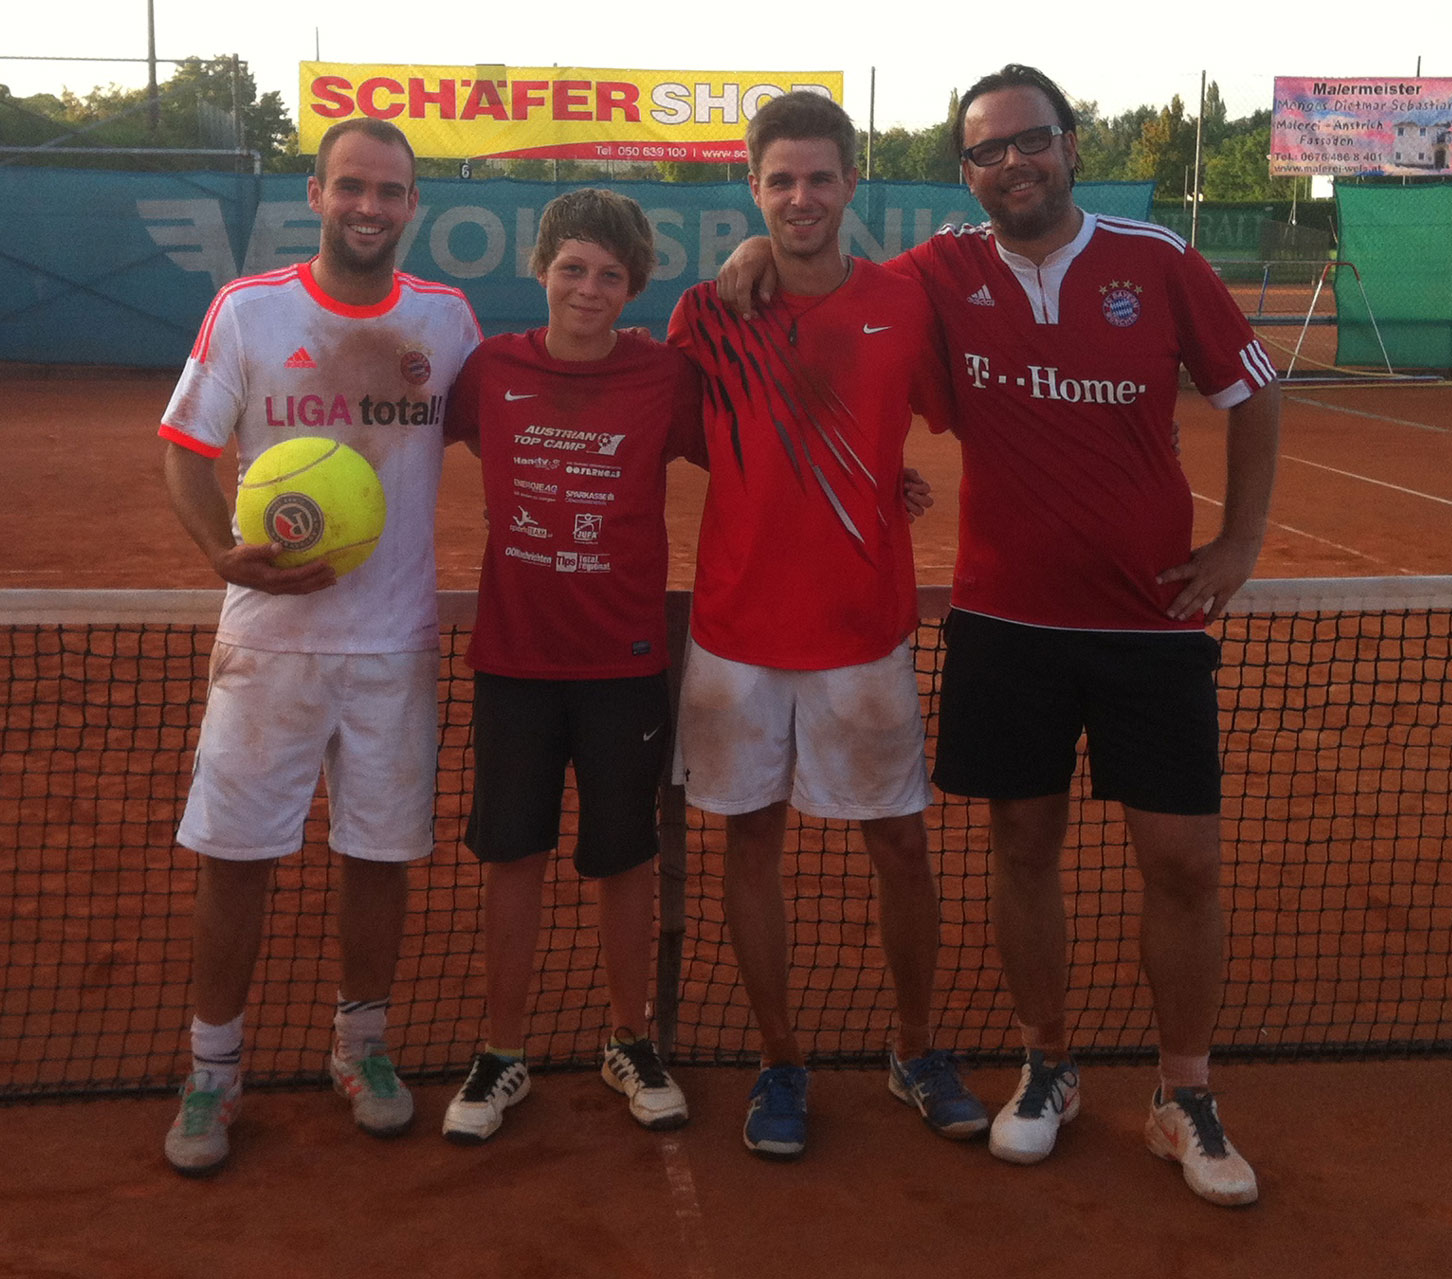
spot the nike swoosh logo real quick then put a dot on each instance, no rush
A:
(510, 395)
(876, 328)
(645, 737)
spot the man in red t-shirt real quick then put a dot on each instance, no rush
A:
(574, 425)
(1079, 604)
(799, 686)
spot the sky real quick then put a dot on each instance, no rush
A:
(918, 61)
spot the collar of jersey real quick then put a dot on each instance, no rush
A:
(328, 303)
(1058, 259)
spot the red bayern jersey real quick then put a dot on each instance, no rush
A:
(574, 457)
(805, 559)
(1066, 373)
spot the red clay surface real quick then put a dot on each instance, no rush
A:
(1365, 488)
(1351, 1161)
(572, 1187)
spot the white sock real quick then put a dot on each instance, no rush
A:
(217, 1050)
(361, 1025)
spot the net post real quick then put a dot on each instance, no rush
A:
(670, 944)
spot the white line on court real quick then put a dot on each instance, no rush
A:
(1371, 417)
(1312, 537)
(1366, 479)
(687, 1207)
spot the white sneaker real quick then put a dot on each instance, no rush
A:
(1025, 1130)
(635, 1069)
(382, 1106)
(1186, 1129)
(196, 1143)
(478, 1107)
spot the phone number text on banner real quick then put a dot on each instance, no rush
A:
(472, 112)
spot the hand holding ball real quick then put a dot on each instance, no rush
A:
(318, 498)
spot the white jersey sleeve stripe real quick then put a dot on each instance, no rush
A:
(1257, 363)
(1128, 226)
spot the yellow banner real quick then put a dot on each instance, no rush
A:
(471, 112)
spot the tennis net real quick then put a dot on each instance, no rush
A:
(1338, 891)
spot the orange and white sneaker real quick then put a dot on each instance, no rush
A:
(1186, 1129)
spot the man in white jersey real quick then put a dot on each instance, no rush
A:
(311, 671)
(1078, 600)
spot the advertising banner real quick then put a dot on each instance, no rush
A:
(577, 113)
(1368, 125)
(109, 267)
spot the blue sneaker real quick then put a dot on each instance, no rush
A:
(931, 1083)
(776, 1122)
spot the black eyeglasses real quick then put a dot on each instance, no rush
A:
(1026, 142)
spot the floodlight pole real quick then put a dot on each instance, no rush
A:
(153, 108)
(1195, 190)
(871, 117)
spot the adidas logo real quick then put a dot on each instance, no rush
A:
(982, 297)
(299, 359)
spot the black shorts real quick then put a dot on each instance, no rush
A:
(1015, 700)
(617, 734)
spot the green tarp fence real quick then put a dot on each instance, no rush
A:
(102, 267)
(1399, 239)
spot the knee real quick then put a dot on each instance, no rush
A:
(1027, 837)
(1188, 874)
(898, 848)
(1179, 857)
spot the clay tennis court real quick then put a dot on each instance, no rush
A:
(572, 1187)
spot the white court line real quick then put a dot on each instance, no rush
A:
(687, 1207)
(1312, 537)
(1371, 417)
(1366, 479)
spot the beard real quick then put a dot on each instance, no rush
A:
(1029, 224)
(372, 259)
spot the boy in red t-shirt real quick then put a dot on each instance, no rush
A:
(574, 424)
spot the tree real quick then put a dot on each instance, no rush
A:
(1217, 127)
(1239, 169)
(209, 104)
(1165, 149)
(915, 155)
(1104, 144)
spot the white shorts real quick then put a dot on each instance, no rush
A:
(367, 721)
(844, 743)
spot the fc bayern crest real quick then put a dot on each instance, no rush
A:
(1121, 304)
(414, 365)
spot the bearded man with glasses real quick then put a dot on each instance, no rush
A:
(1079, 600)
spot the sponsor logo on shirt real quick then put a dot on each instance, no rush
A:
(1121, 302)
(537, 488)
(870, 329)
(415, 367)
(529, 557)
(538, 462)
(1043, 382)
(299, 359)
(317, 410)
(526, 524)
(510, 396)
(588, 496)
(554, 437)
(587, 527)
(581, 562)
(590, 472)
(981, 297)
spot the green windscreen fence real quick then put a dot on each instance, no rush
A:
(1400, 241)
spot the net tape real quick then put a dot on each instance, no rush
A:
(1337, 744)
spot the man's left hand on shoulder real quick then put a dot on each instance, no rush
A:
(1213, 573)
